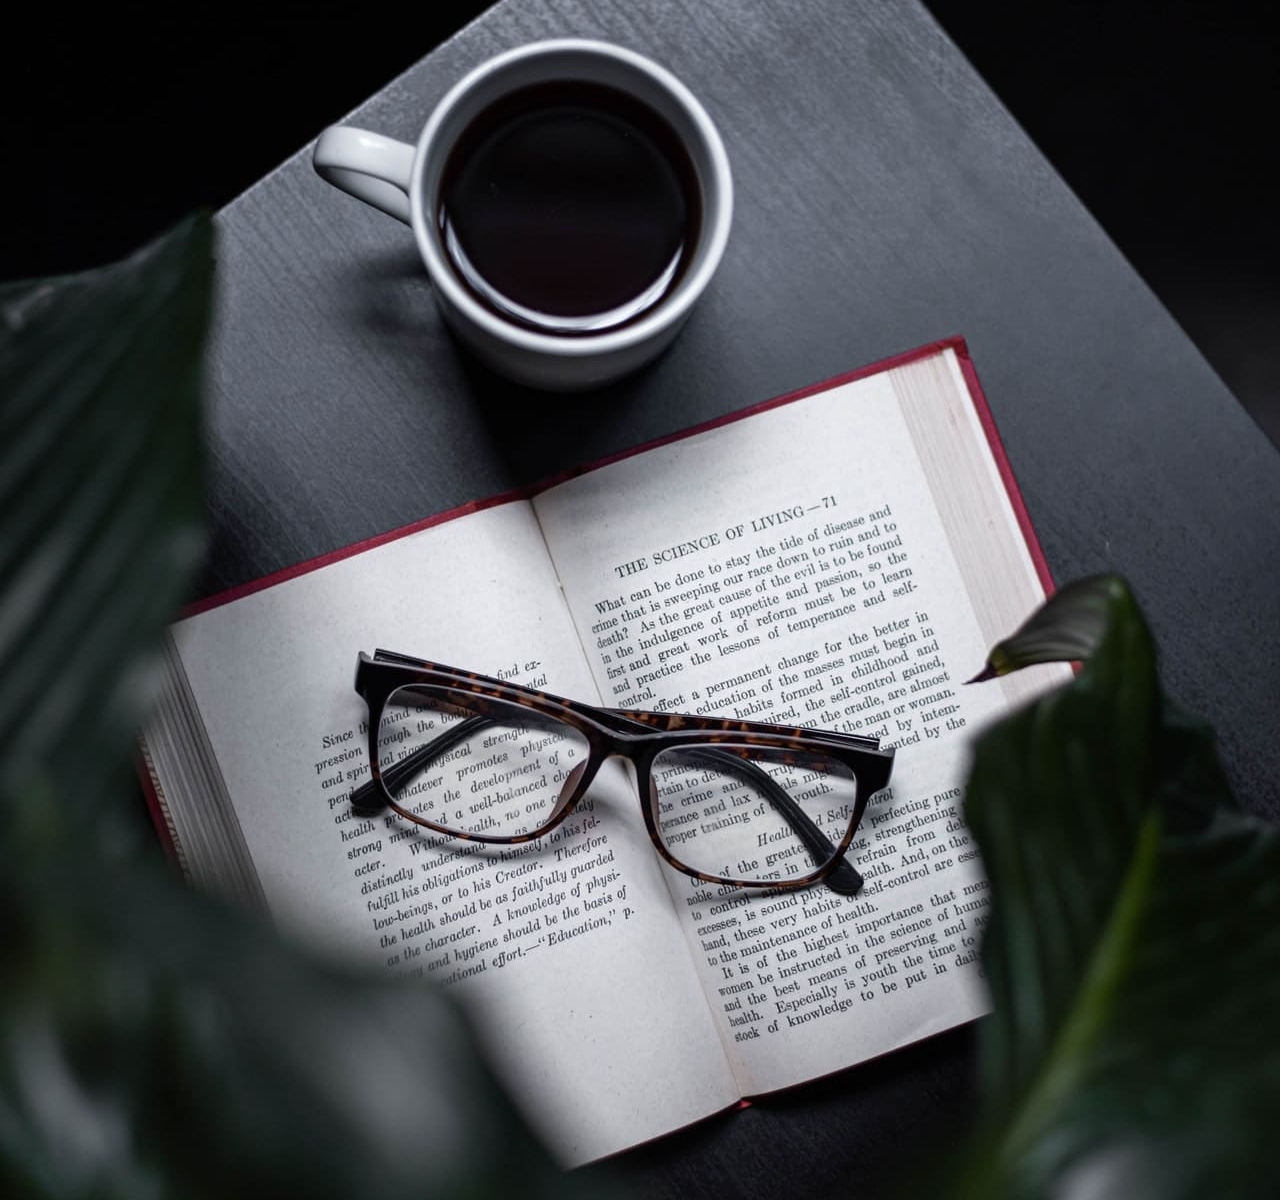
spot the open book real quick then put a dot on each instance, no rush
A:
(838, 558)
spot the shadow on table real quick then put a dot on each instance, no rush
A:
(542, 433)
(454, 400)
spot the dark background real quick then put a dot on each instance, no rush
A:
(1161, 116)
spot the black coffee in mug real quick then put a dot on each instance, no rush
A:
(569, 207)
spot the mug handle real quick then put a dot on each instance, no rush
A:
(368, 166)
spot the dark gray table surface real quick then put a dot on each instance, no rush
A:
(884, 199)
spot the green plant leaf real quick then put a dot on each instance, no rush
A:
(100, 496)
(1068, 627)
(157, 1044)
(1133, 941)
(152, 1042)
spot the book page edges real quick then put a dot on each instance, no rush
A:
(158, 807)
(1003, 465)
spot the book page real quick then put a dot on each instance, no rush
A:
(800, 566)
(564, 950)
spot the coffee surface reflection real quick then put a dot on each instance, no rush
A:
(569, 208)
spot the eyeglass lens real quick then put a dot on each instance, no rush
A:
(752, 812)
(496, 768)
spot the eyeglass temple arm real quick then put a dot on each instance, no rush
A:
(844, 879)
(368, 799)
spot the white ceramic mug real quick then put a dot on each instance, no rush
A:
(405, 181)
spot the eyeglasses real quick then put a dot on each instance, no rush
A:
(725, 801)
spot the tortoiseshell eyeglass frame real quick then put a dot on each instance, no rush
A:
(636, 736)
